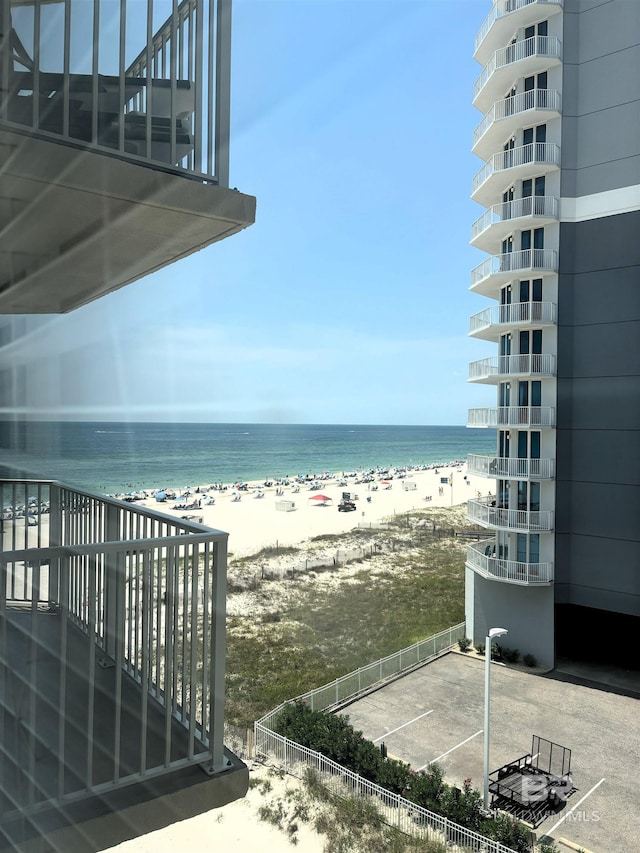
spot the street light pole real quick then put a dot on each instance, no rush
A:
(492, 633)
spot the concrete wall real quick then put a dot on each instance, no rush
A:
(527, 613)
(600, 96)
(598, 435)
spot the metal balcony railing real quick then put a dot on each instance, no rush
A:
(147, 81)
(545, 260)
(535, 99)
(481, 558)
(536, 364)
(531, 206)
(514, 314)
(548, 47)
(523, 416)
(511, 468)
(113, 638)
(502, 8)
(485, 512)
(534, 154)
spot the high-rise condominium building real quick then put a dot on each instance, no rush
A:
(559, 141)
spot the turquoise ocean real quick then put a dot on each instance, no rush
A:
(121, 457)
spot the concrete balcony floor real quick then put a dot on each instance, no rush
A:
(48, 695)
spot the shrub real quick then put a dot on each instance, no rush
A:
(530, 660)
(334, 737)
(464, 644)
(269, 618)
(510, 655)
(508, 831)
(480, 648)
(426, 787)
(394, 776)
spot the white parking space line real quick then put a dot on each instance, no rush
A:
(393, 731)
(453, 748)
(565, 816)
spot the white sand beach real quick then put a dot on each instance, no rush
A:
(254, 522)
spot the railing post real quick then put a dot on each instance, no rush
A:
(217, 653)
(223, 92)
(113, 585)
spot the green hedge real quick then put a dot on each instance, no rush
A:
(333, 736)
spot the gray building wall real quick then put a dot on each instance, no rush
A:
(526, 612)
(598, 434)
(598, 408)
(600, 96)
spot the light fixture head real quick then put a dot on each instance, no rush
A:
(497, 632)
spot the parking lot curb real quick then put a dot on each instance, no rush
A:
(573, 846)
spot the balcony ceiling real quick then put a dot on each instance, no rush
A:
(76, 224)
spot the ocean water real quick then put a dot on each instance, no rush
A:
(117, 457)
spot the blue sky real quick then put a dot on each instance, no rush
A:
(347, 301)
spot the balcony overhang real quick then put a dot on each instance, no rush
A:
(76, 224)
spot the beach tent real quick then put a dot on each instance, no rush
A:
(161, 496)
(320, 500)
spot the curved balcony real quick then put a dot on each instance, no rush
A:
(495, 367)
(506, 116)
(505, 167)
(511, 468)
(487, 276)
(483, 512)
(525, 57)
(490, 229)
(481, 559)
(490, 323)
(504, 17)
(520, 416)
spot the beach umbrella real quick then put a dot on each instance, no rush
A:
(320, 498)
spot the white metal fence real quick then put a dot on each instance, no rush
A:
(534, 154)
(523, 259)
(145, 79)
(396, 810)
(511, 467)
(501, 8)
(483, 512)
(148, 593)
(516, 313)
(481, 558)
(543, 416)
(535, 206)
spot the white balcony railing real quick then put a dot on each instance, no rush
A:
(511, 468)
(545, 260)
(157, 90)
(144, 591)
(535, 154)
(484, 512)
(515, 314)
(534, 364)
(522, 416)
(535, 206)
(535, 99)
(502, 8)
(481, 558)
(548, 47)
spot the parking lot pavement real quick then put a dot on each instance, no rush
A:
(436, 712)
